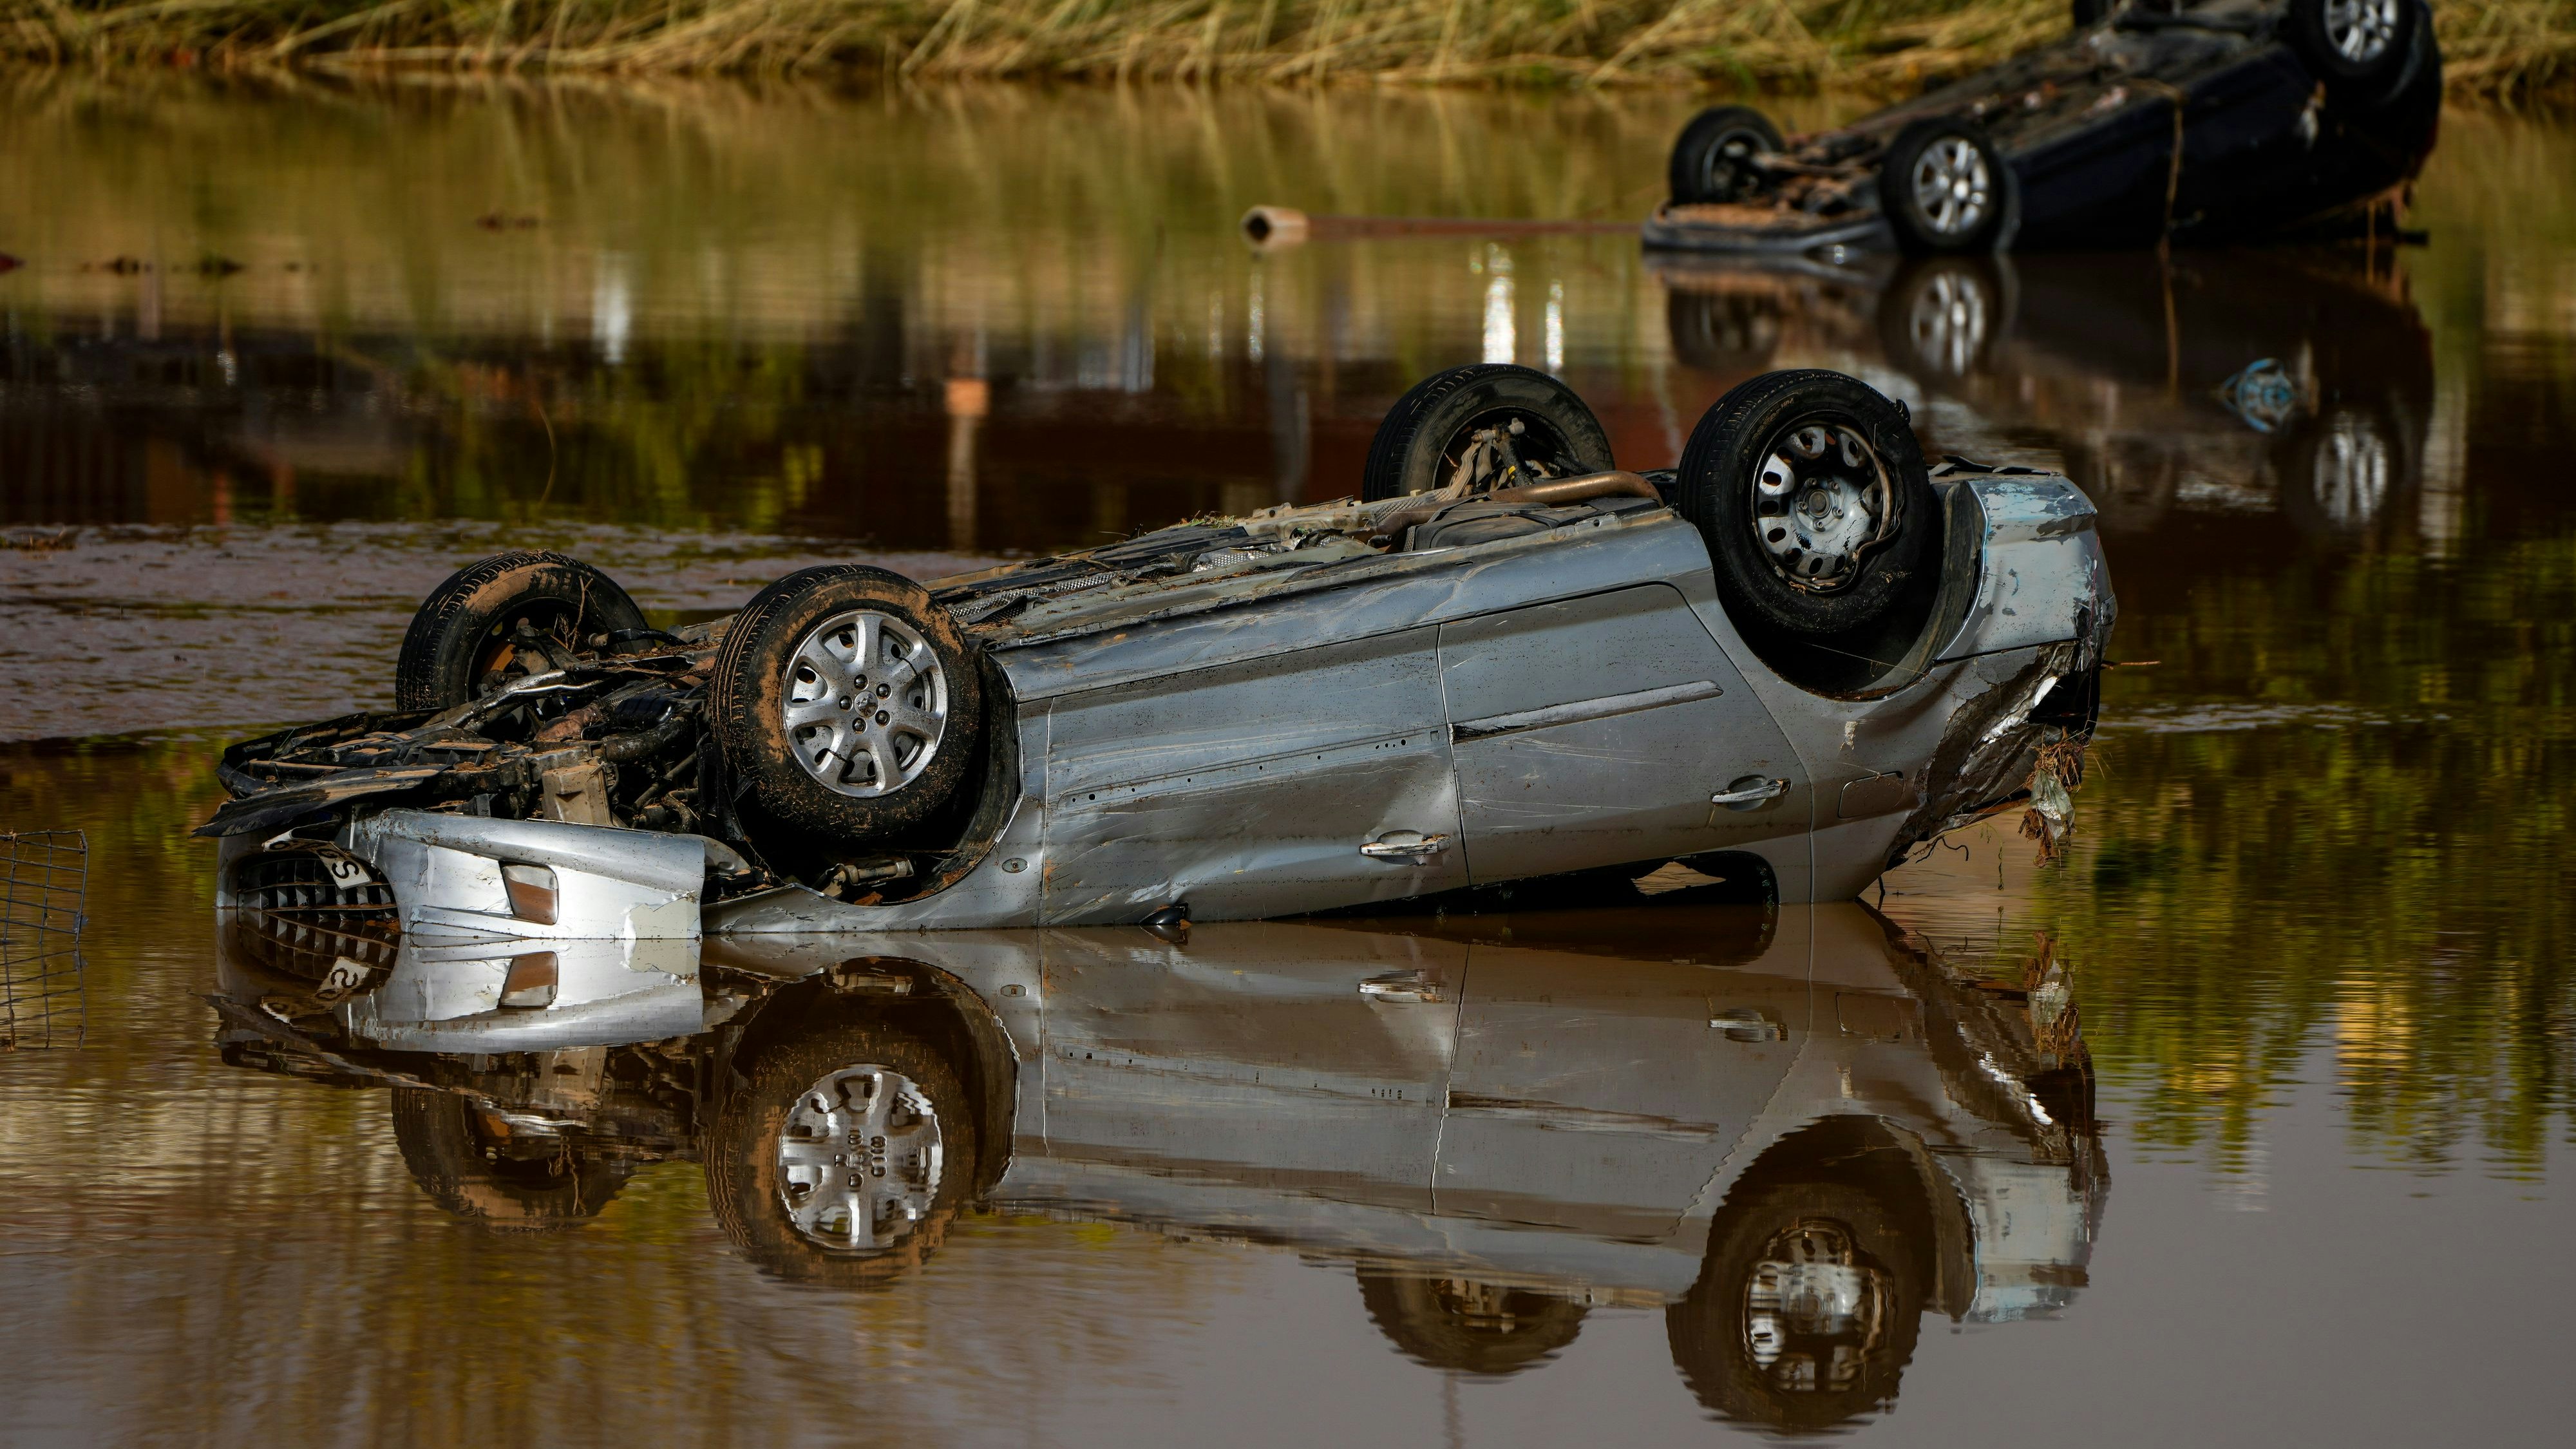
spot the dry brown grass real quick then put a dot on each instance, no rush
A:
(2496, 47)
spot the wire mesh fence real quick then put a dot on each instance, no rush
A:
(44, 883)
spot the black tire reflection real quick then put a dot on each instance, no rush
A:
(2342, 469)
(1466, 1325)
(1725, 332)
(1941, 318)
(1818, 1270)
(472, 1165)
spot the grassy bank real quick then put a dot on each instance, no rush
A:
(2496, 47)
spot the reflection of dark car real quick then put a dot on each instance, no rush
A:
(1793, 1131)
(2290, 381)
(2239, 379)
(1792, 657)
(2290, 115)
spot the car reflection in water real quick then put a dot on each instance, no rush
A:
(2294, 383)
(1793, 1129)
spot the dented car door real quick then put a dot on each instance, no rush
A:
(1608, 729)
(1289, 782)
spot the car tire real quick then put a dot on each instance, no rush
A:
(799, 1220)
(1945, 187)
(1710, 160)
(1940, 320)
(1740, 1355)
(2364, 50)
(838, 634)
(466, 635)
(1465, 1326)
(1430, 433)
(1812, 495)
(468, 1172)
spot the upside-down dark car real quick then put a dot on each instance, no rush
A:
(2188, 121)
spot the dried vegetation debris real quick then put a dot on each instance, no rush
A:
(2497, 47)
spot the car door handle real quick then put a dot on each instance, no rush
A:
(1410, 845)
(1746, 793)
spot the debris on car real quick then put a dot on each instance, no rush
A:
(2194, 120)
(1788, 659)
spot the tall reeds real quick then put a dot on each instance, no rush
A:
(2495, 46)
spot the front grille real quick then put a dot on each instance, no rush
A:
(305, 912)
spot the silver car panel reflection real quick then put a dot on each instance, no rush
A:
(1571, 1118)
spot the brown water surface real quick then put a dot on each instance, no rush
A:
(281, 356)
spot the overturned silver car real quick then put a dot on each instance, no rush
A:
(1782, 663)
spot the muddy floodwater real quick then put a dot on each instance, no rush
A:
(2249, 1122)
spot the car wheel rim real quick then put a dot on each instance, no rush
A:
(1729, 164)
(1952, 187)
(859, 1159)
(2361, 30)
(1821, 500)
(1948, 323)
(1505, 448)
(503, 654)
(1813, 1310)
(867, 703)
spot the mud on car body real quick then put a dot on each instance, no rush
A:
(1784, 662)
(2194, 120)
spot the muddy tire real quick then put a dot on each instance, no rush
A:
(847, 702)
(804, 1202)
(1711, 160)
(468, 634)
(470, 1171)
(1751, 1350)
(1944, 187)
(1432, 433)
(1812, 495)
(2364, 50)
(1477, 1328)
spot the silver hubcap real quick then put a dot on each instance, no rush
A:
(2352, 471)
(859, 1159)
(1948, 323)
(1812, 1309)
(1951, 186)
(2360, 30)
(867, 703)
(1820, 501)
